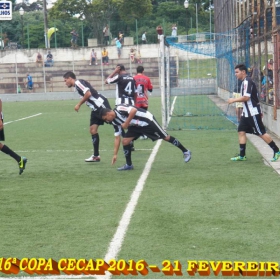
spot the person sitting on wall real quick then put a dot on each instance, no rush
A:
(49, 60)
(39, 59)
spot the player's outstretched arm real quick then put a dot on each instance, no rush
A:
(116, 148)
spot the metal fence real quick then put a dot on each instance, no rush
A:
(254, 26)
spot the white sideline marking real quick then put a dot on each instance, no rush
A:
(172, 108)
(116, 242)
(70, 151)
(23, 118)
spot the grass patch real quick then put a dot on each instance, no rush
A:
(62, 207)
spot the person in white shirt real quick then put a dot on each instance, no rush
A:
(144, 38)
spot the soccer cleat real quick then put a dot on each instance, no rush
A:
(22, 164)
(187, 156)
(239, 158)
(144, 137)
(276, 156)
(125, 167)
(93, 159)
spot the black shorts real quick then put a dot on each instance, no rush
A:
(153, 131)
(95, 115)
(253, 125)
(2, 135)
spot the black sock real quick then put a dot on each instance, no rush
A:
(177, 143)
(127, 154)
(274, 147)
(242, 150)
(95, 142)
(11, 153)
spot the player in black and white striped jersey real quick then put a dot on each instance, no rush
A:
(251, 119)
(5, 149)
(137, 121)
(95, 101)
(125, 87)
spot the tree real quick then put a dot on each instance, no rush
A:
(134, 10)
(96, 13)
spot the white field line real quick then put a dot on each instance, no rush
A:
(118, 238)
(23, 118)
(172, 108)
(117, 241)
(70, 151)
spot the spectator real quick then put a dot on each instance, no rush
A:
(144, 38)
(39, 59)
(138, 57)
(132, 55)
(159, 32)
(93, 58)
(74, 38)
(106, 35)
(119, 47)
(270, 69)
(49, 60)
(105, 57)
(251, 32)
(121, 37)
(174, 30)
(29, 83)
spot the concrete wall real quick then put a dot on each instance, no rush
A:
(83, 53)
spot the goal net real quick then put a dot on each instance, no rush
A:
(197, 78)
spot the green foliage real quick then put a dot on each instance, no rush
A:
(134, 10)
(90, 17)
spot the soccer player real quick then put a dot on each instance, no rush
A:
(5, 149)
(137, 122)
(251, 119)
(95, 101)
(125, 87)
(143, 85)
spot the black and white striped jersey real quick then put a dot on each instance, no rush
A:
(96, 100)
(125, 88)
(141, 118)
(252, 106)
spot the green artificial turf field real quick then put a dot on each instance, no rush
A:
(62, 207)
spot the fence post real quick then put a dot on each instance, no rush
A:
(82, 35)
(55, 42)
(28, 41)
(136, 32)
